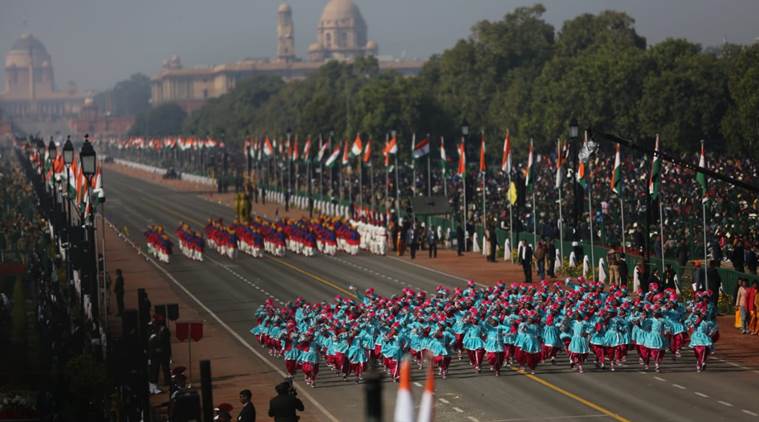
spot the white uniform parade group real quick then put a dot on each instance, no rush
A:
(191, 243)
(158, 243)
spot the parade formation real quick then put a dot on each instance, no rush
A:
(517, 324)
(324, 235)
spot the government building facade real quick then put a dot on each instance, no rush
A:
(30, 98)
(341, 35)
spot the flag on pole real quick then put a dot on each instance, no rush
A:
(443, 158)
(701, 177)
(616, 173)
(582, 177)
(385, 153)
(506, 158)
(427, 405)
(483, 164)
(559, 165)
(322, 150)
(268, 148)
(462, 160)
(404, 402)
(346, 154)
(357, 147)
(529, 179)
(421, 148)
(332, 159)
(392, 146)
(368, 151)
(307, 149)
(654, 180)
(512, 194)
(295, 150)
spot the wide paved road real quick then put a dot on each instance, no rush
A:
(231, 291)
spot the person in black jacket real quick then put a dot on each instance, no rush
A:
(248, 411)
(284, 406)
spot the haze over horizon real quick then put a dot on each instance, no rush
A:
(96, 43)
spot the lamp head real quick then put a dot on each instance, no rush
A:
(68, 151)
(87, 158)
(573, 129)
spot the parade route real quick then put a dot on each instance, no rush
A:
(230, 291)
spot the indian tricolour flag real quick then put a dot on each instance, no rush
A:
(654, 180)
(421, 148)
(529, 179)
(357, 146)
(506, 158)
(701, 177)
(332, 159)
(268, 148)
(616, 173)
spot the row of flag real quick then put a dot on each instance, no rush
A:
(55, 172)
(181, 143)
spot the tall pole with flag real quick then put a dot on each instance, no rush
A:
(368, 161)
(386, 158)
(462, 174)
(356, 151)
(617, 187)
(583, 178)
(394, 150)
(413, 164)
(701, 179)
(483, 172)
(654, 185)
(529, 181)
(429, 174)
(506, 167)
(559, 182)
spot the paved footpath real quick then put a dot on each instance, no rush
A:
(232, 368)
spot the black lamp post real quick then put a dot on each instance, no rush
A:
(289, 134)
(574, 149)
(88, 162)
(41, 154)
(464, 136)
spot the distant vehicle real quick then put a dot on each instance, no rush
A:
(171, 174)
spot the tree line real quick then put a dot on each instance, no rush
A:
(519, 73)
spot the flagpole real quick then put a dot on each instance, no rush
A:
(622, 210)
(590, 220)
(361, 180)
(703, 216)
(413, 165)
(429, 174)
(397, 187)
(511, 218)
(661, 233)
(463, 192)
(484, 208)
(534, 220)
(558, 188)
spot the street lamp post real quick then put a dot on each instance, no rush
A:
(52, 151)
(577, 189)
(88, 161)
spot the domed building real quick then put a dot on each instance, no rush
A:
(29, 97)
(341, 34)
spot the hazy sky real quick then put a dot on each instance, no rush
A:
(98, 42)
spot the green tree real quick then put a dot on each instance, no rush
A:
(684, 96)
(164, 120)
(129, 97)
(740, 124)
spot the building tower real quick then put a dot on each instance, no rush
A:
(341, 34)
(285, 34)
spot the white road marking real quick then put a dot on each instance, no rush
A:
(660, 379)
(458, 409)
(473, 419)
(701, 395)
(748, 412)
(234, 334)
(418, 384)
(444, 401)
(679, 386)
(551, 418)
(724, 403)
